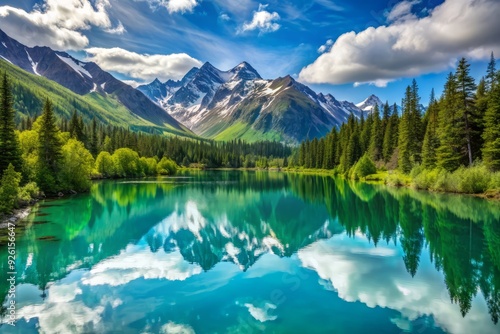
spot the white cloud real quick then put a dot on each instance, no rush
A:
(143, 66)
(410, 46)
(173, 6)
(325, 47)
(263, 21)
(402, 11)
(134, 83)
(58, 23)
(224, 17)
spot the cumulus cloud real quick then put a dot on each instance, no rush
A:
(325, 47)
(173, 6)
(410, 46)
(142, 66)
(58, 23)
(263, 21)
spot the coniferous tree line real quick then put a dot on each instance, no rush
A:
(461, 129)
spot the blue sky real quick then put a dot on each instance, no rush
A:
(142, 39)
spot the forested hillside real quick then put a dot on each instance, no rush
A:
(29, 92)
(453, 146)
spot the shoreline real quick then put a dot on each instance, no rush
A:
(375, 179)
(17, 215)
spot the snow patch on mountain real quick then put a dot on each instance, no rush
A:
(75, 65)
(33, 64)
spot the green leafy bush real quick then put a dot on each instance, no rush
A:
(363, 168)
(166, 167)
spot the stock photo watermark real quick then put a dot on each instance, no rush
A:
(11, 275)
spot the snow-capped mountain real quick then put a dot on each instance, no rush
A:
(369, 103)
(240, 104)
(82, 78)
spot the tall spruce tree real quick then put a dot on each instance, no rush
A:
(451, 128)
(76, 127)
(466, 97)
(49, 151)
(415, 122)
(431, 141)
(405, 132)
(10, 152)
(491, 73)
(386, 114)
(491, 134)
(94, 138)
(365, 132)
(376, 139)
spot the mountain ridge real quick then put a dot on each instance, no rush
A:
(215, 103)
(84, 78)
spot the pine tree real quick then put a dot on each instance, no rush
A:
(391, 135)
(405, 132)
(450, 128)
(415, 122)
(386, 114)
(49, 151)
(431, 141)
(94, 139)
(376, 139)
(465, 93)
(491, 73)
(491, 134)
(76, 127)
(365, 132)
(10, 152)
(480, 108)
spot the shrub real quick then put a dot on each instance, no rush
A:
(397, 179)
(363, 167)
(472, 180)
(426, 179)
(495, 181)
(28, 192)
(166, 167)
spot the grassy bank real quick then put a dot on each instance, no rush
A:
(476, 180)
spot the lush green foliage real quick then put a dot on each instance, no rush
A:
(471, 180)
(364, 167)
(9, 189)
(77, 166)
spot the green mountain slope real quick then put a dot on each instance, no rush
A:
(30, 91)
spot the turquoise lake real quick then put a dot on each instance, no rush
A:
(257, 252)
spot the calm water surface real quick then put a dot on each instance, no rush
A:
(245, 252)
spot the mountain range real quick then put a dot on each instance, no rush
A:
(239, 103)
(206, 102)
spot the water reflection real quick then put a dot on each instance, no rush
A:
(171, 254)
